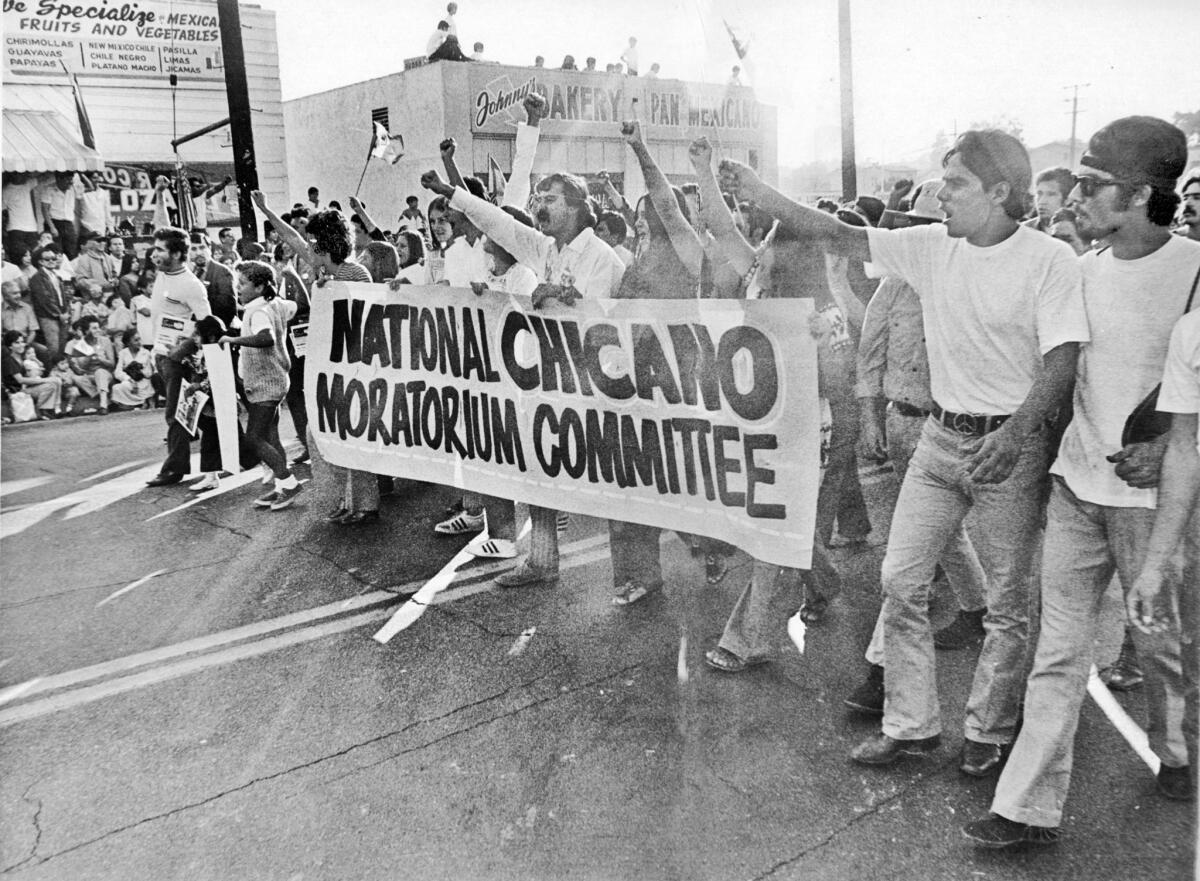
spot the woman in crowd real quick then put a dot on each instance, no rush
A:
(134, 374)
(410, 249)
(381, 261)
(19, 375)
(120, 317)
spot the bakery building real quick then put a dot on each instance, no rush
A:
(478, 104)
(123, 56)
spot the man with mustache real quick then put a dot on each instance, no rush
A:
(1189, 221)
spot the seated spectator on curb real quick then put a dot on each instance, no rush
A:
(92, 301)
(92, 360)
(134, 386)
(120, 318)
(18, 377)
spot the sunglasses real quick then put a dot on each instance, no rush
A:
(1089, 184)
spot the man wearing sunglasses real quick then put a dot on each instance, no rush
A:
(1004, 317)
(1102, 503)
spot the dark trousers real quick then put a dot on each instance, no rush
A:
(210, 447)
(179, 442)
(295, 399)
(67, 238)
(262, 433)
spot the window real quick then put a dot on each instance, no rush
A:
(380, 115)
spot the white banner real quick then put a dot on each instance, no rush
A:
(699, 416)
(224, 398)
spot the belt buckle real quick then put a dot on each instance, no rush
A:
(964, 423)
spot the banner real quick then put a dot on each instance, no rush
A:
(149, 39)
(589, 103)
(219, 364)
(699, 416)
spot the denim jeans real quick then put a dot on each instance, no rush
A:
(635, 554)
(935, 498)
(1085, 543)
(758, 622)
(179, 442)
(959, 559)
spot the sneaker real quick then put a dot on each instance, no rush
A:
(268, 500)
(868, 697)
(286, 495)
(562, 522)
(1175, 783)
(981, 759)
(963, 630)
(998, 832)
(493, 548)
(525, 575)
(884, 750)
(205, 483)
(1126, 672)
(460, 524)
(302, 457)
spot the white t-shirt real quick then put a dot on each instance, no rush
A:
(1180, 391)
(18, 203)
(95, 210)
(1131, 306)
(145, 324)
(465, 263)
(519, 280)
(990, 313)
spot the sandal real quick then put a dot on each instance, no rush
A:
(727, 662)
(632, 591)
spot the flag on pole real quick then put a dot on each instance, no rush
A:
(183, 199)
(386, 146)
(738, 46)
(496, 180)
(85, 124)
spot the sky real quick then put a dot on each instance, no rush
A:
(920, 66)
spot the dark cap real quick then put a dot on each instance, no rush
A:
(1141, 148)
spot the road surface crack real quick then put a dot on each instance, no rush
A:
(37, 828)
(267, 778)
(353, 572)
(850, 824)
(224, 526)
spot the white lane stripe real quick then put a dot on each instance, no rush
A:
(76, 504)
(127, 588)
(11, 487)
(77, 697)
(228, 484)
(117, 469)
(119, 666)
(1116, 714)
(11, 694)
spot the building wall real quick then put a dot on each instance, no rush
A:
(132, 117)
(329, 133)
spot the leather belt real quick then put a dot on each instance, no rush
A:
(968, 423)
(908, 410)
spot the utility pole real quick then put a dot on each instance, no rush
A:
(245, 169)
(1075, 87)
(849, 175)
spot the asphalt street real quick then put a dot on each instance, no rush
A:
(194, 692)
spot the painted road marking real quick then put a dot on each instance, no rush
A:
(248, 641)
(127, 588)
(116, 469)
(12, 487)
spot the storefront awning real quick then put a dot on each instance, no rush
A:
(43, 140)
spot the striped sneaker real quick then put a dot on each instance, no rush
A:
(285, 496)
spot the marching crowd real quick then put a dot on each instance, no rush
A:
(997, 337)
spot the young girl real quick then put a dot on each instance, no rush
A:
(264, 368)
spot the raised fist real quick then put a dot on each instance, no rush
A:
(700, 152)
(432, 181)
(447, 147)
(740, 180)
(535, 107)
(631, 129)
(259, 200)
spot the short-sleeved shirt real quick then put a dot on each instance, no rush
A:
(352, 271)
(1180, 392)
(1132, 306)
(991, 313)
(18, 204)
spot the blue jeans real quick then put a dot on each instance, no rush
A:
(935, 498)
(1085, 544)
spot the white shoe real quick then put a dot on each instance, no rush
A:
(205, 483)
(498, 548)
(461, 523)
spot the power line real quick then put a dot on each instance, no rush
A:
(1074, 99)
